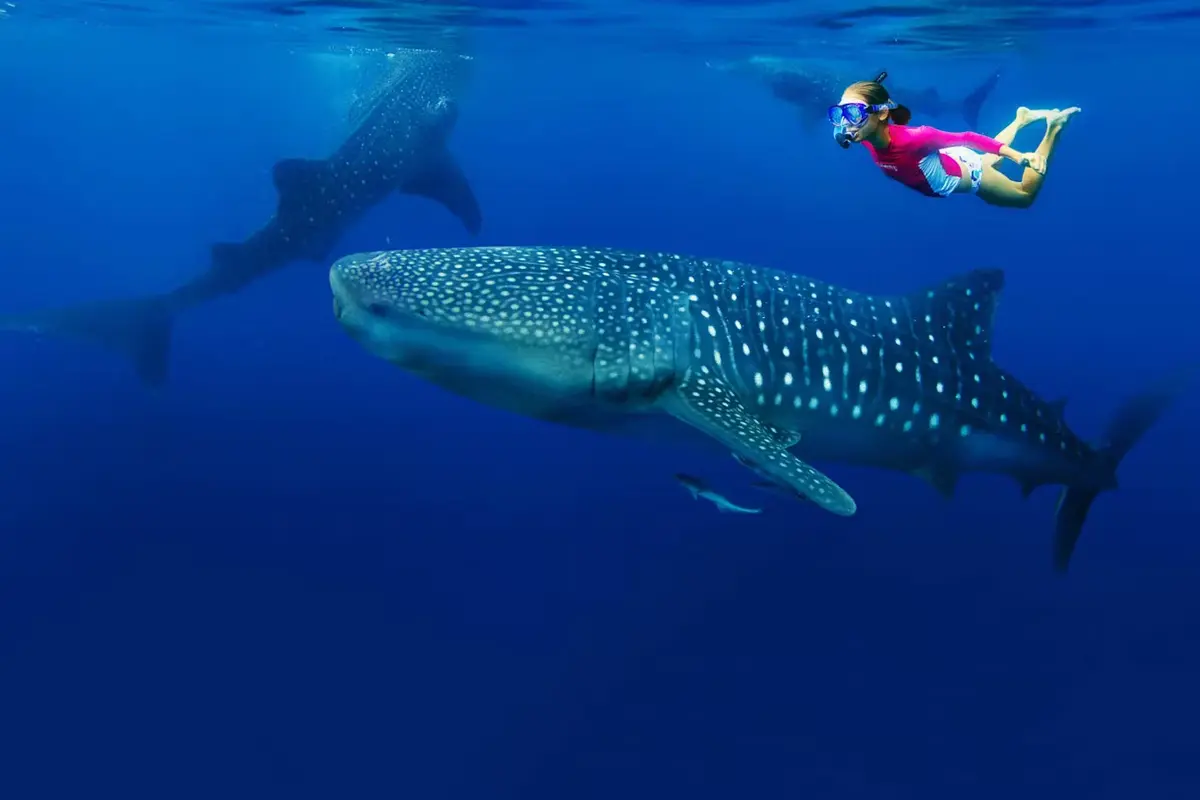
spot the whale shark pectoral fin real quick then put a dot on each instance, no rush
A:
(714, 410)
(787, 439)
(443, 181)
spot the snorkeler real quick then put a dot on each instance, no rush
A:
(937, 163)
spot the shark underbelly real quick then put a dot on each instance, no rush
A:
(860, 445)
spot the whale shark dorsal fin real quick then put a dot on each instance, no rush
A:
(961, 311)
(713, 409)
(443, 181)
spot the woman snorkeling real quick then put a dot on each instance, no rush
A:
(937, 163)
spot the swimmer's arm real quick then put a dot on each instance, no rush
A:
(1021, 159)
(975, 141)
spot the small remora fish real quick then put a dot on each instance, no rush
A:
(699, 489)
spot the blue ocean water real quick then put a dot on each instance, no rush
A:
(295, 570)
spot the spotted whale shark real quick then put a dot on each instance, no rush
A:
(780, 369)
(812, 86)
(398, 143)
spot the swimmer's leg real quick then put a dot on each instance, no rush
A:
(998, 190)
(1031, 180)
(1006, 136)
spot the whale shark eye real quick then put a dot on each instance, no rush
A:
(377, 309)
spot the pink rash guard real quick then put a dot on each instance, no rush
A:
(914, 158)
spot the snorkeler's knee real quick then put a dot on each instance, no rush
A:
(1010, 197)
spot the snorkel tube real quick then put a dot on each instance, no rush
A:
(842, 134)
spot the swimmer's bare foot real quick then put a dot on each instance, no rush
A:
(1028, 115)
(1060, 118)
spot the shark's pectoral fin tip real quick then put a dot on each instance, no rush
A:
(444, 182)
(713, 408)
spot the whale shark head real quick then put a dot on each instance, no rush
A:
(517, 328)
(416, 313)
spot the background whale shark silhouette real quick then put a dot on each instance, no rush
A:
(812, 86)
(398, 143)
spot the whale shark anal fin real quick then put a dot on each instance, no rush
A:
(941, 476)
(712, 408)
(443, 181)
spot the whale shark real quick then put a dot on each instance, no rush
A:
(779, 369)
(398, 143)
(812, 86)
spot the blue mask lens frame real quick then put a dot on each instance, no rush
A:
(855, 114)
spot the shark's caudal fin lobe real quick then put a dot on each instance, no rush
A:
(1126, 428)
(444, 182)
(139, 328)
(972, 104)
(149, 343)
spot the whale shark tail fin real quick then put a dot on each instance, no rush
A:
(139, 328)
(972, 104)
(1126, 428)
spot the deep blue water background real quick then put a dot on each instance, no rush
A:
(297, 571)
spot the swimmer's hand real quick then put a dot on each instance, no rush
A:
(1034, 161)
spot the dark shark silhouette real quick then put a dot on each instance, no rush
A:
(398, 145)
(812, 87)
